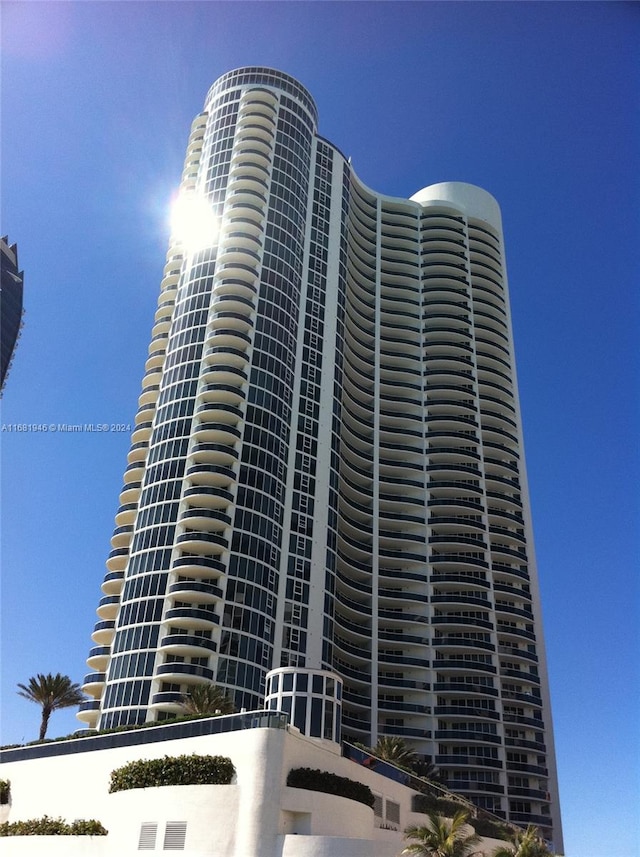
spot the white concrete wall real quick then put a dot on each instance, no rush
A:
(55, 846)
(256, 816)
(211, 814)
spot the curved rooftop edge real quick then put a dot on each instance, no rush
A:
(473, 200)
(264, 76)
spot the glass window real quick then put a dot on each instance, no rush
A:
(316, 717)
(287, 681)
(328, 720)
(318, 684)
(300, 718)
(302, 683)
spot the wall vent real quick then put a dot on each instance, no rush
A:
(147, 840)
(377, 806)
(175, 834)
(392, 811)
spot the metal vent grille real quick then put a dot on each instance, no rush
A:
(147, 840)
(175, 834)
(377, 806)
(393, 811)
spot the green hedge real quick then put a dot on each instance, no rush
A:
(428, 803)
(46, 826)
(173, 771)
(73, 736)
(5, 791)
(487, 827)
(323, 781)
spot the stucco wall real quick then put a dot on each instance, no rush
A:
(256, 816)
(55, 846)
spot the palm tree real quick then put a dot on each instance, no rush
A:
(207, 699)
(51, 692)
(394, 750)
(426, 770)
(441, 837)
(524, 843)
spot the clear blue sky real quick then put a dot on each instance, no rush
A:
(537, 102)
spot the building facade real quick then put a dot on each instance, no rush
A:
(12, 286)
(327, 468)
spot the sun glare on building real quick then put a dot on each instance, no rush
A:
(193, 223)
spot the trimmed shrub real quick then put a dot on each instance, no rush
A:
(46, 826)
(429, 803)
(487, 827)
(323, 781)
(5, 791)
(87, 827)
(191, 770)
(93, 732)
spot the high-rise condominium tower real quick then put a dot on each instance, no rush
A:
(327, 465)
(11, 289)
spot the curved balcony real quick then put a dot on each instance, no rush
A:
(198, 566)
(463, 597)
(232, 335)
(211, 474)
(506, 501)
(149, 395)
(122, 536)
(343, 646)
(358, 608)
(117, 559)
(453, 541)
(208, 497)
(192, 618)
(472, 525)
(89, 712)
(138, 453)
(214, 394)
(93, 684)
(187, 645)
(455, 560)
(451, 641)
(211, 432)
(230, 348)
(466, 761)
(454, 662)
(126, 514)
(467, 735)
(142, 432)
(112, 583)
(103, 632)
(203, 543)
(223, 374)
(129, 493)
(179, 673)
(212, 412)
(453, 621)
(132, 475)
(108, 606)
(466, 712)
(208, 520)
(99, 658)
(460, 687)
(233, 302)
(196, 591)
(246, 207)
(520, 609)
(170, 701)
(398, 614)
(213, 453)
